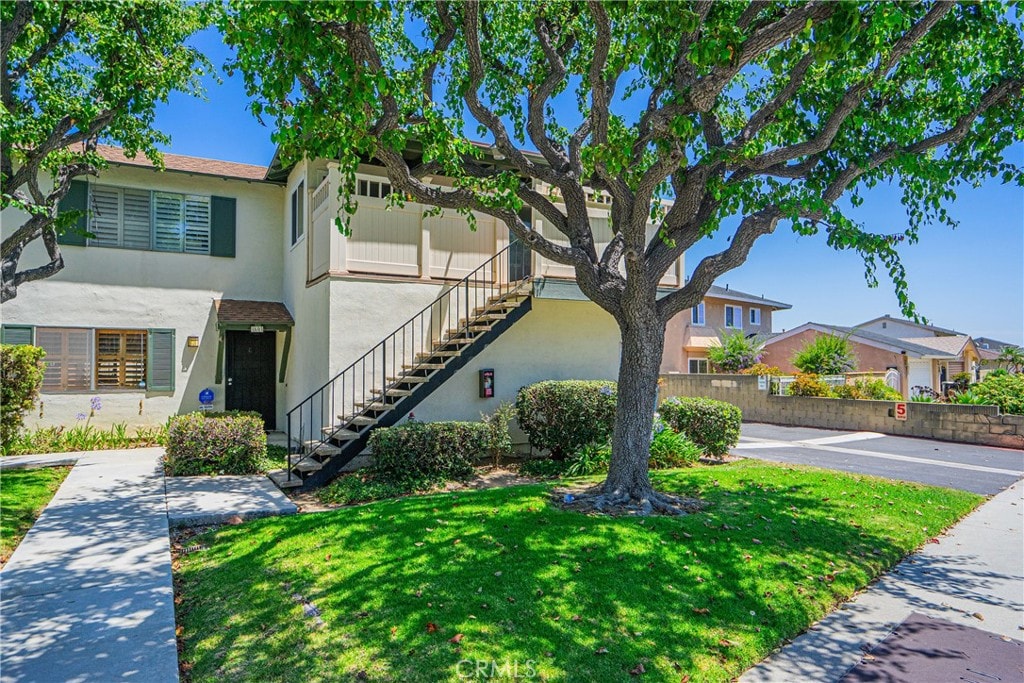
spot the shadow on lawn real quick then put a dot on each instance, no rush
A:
(521, 580)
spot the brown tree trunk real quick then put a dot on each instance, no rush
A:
(628, 486)
(639, 365)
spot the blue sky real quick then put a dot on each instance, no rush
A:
(970, 279)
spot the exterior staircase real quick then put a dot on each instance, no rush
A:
(332, 426)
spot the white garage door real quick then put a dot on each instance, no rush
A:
(920, 374)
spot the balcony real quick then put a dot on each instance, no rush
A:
(401, 241)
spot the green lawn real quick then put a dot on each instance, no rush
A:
(515, 580)
(23, 495)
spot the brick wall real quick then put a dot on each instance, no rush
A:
(962, 423)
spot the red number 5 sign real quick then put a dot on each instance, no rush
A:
(901, 411)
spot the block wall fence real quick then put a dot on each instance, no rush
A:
(982, 425)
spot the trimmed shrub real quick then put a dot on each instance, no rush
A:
(669, 448)
(808, 384)
(871, 390)
(712, 425)
(1005, 391)
(204, 444)
(418, 451)
(21, 375)
(826, 354)
(564, 416)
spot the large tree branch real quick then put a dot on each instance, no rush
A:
(853, 96)
(538, 98)
(711, 267)
(706, 90)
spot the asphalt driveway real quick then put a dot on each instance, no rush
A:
(979, 469)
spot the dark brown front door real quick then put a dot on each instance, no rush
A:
(249, 363)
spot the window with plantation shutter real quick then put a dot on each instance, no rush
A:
(136, 217)
(105, 223)
(120, 359)
(168, 222)
(197, 225)
(68, 358)
(160, 221)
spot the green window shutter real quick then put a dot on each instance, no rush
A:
(77, 199)
(222, 226)
(160, 363)
(17, 334)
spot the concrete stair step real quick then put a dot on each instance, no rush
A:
(308, 465)
(439, 354)
(376, 406)
(393, 392)
(339, 433)
(316, 447)
(281, 480)
(423, 366)
(357, 420)
(409, 379)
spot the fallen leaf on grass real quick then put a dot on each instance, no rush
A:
(637, 670)
(431, 627)
(601, 651)
(701, 610)
(457, 638)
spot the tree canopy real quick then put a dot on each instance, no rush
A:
(74, 74)
(760, 112)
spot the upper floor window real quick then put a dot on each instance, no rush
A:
(143, 219)
(755, 316)
(734, 317)
(697, 314)
(373, 188)
(298, 211)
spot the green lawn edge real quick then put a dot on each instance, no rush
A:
(23, 495)
(412, 589)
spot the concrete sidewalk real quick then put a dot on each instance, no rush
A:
(88, 594)
(977, 568)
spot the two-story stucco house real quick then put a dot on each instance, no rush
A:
(233, 280)
(690, 334)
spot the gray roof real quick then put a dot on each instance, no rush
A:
(990, 344)
(910, 347)
(923, 326)
(736, 295)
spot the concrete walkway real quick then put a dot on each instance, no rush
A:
(88, 594)
(974, 576)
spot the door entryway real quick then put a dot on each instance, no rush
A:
(250, 360)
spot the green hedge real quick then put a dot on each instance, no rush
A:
(21, 376)
(1003, 390)
(712, 425)
(230, 443)
(415, 451)
(564, 416)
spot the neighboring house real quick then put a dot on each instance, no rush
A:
(689, 335)
(922, 361)
(235, 278)
(990, 351)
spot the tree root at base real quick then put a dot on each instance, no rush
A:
(616, 503)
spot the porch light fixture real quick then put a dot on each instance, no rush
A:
(193, 342)
(496, 153)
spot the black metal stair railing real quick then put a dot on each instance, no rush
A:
(373, 384)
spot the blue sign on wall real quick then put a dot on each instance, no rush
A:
(206, 396)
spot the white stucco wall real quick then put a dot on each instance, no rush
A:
(129, 289)
(556, 339)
